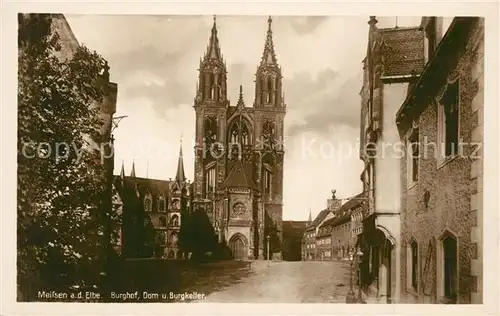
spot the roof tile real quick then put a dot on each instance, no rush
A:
(403, 51)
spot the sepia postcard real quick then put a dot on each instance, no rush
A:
(206, 156)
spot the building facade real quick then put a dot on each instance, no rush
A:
(343, 241)
(324, 240)
(442, 122)
(395, 58)
(293, 231)
(239, 155)
(152, 212)
(310, 243)
(309, 239)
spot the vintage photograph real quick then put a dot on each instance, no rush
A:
(250, 159)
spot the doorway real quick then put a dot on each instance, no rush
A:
(238, 248)
(450, 269)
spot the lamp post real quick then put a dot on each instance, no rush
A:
(351, 296)
(268, 237)
(360, 258)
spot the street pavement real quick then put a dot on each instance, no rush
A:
(279, 282)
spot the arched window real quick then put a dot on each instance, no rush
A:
(267, 181)
(147, 204)
(211, 95)
(412, 263)
(163, 221)
(161, 238)
(210, 180)
(244, 135)
(234, 136)
(202, 87)
(174, 238)
(174, 220)
(161, 204)
(210, 130)
(262, 91)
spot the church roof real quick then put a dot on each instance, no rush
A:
(155, 187)
(239, 177)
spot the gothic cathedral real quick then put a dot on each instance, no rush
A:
(239, 154)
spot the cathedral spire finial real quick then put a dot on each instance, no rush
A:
(132, 173)
(213, 49)
(241, 103)
(269, 56)
(180, 177)
(122, 172)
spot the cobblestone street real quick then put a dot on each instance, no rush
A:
(282, 282)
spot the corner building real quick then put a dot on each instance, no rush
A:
(442, 121)
(239, 155)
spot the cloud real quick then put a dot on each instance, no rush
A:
(329, 102)
(154, 60)
(308, 24)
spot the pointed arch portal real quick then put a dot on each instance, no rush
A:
(238, 246)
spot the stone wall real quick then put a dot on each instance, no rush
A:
(451, 194)
(476, 173)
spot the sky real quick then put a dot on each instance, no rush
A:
(154, 61)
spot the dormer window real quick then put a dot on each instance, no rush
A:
(147, 204)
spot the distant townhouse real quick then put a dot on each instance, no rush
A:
(324, 240)
(342, 238)
(441, 201)
(310, 242)
(310, 235)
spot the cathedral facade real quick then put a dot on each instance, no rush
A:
(239, 154)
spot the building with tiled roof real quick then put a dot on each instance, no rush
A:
(310, 243)
(442, 199)
(402, 52)
(152, 212)
(335, 234)
(394, 61)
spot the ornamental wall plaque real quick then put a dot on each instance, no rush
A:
(239, 209)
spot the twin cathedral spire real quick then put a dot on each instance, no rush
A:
(211, 88)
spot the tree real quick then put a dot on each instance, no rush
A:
(61, 183)
(200, 235)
